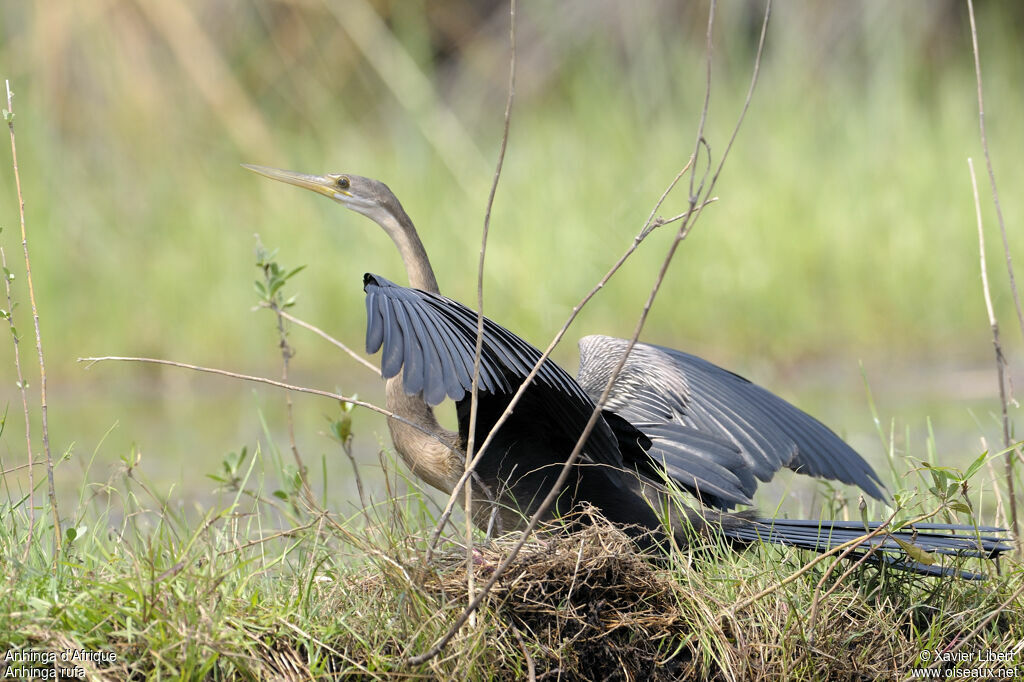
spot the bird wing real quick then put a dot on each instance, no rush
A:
(660, 386)
(432, 341)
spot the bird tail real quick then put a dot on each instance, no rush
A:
(911, 548)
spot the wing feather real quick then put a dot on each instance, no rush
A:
(663, 386)
(434, 337)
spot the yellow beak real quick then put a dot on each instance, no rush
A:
(321, 184)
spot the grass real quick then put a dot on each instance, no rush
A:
(260, 587)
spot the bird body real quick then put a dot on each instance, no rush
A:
(671, 421)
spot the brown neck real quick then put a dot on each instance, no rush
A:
(417, 264)
(434, 459)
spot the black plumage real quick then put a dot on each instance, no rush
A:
(672, 420)
(694, 425)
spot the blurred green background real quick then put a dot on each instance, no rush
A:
(844, 231)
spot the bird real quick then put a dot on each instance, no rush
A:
(672, 421)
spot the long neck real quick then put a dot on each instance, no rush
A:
(432, 459)
(417, 264)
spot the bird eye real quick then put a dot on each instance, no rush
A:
(343, 182)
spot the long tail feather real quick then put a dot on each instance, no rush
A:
(890, 547)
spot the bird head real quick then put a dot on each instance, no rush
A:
(367, 196)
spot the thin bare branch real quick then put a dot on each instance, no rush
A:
(287, 352)
(474, 389)
(1000, 358)
(330, 339)
(818, 597)
(839, 549)
(35, 462)
(696, 204)
(649, 226)
(24, 405)
(39, 339)
(263, 380)
(991, 172)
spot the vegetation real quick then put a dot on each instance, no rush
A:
(262, 586)
(844, 229)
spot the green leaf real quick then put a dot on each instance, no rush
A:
(960, 507)
(71, 534)
(939, 477)
(975, 465)
(280, 495)
(342, 428)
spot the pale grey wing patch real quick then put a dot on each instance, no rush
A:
(712, 468)
(803, 443)
(660, 384)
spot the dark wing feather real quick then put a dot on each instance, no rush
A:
(663, 386)
(432, 340)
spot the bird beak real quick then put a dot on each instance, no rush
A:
(321, 184)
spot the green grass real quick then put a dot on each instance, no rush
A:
(258, 586)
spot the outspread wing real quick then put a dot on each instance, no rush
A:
(750, 428)
(432, 341)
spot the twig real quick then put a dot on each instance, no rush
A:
(531, 667)
(577, 449)
(270, 382)
(815, 561)
(330, 339)
(991, 173)
(474, 390)
(4, 472)
(346, 446)
(287, 353)
(39, 338)
(831, 569)
(648, 227)
(280, 534)
(9, 314)
(1000, 358)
